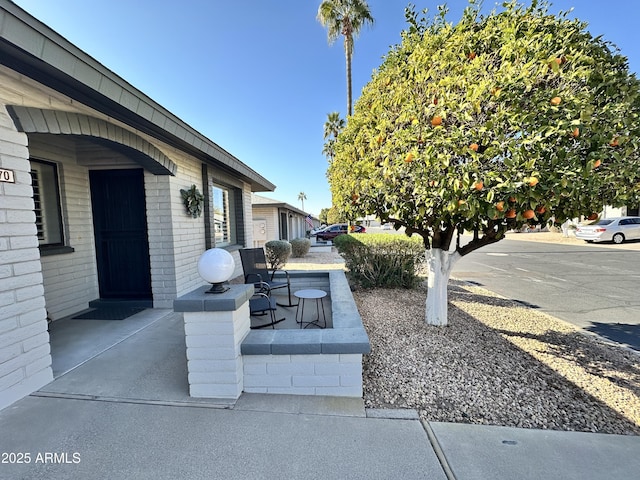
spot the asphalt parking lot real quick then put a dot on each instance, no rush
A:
(595, 287)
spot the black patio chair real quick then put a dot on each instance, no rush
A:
(254, 264)
(262, 304)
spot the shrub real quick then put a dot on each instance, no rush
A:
(382, 260)
(277, 253)
(345, 243)
(300, 247)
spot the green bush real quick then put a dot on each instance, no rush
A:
(346, 242)
(277, 253)
(300, 247)
(382, 260)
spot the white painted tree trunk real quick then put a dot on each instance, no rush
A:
(440, 263)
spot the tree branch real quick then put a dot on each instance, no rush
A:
(494, 232)
(409, 229)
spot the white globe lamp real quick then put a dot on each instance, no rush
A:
(216, 267)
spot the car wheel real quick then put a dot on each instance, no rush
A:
(618, 238)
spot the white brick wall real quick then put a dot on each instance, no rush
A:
(213, 343)
(188, 232)
(161, 239)
(326, 374)
(70, 279)
(25, 360)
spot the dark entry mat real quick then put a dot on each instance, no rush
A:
(109, 313)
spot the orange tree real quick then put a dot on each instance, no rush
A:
(511, 118)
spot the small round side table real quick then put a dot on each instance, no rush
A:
(310, 294)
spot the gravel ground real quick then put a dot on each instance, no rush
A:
(497, 363)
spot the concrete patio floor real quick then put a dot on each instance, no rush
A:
(124, 412)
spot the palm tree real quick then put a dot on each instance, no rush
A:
(333, 126)
(302, 197)
(344, 17)
(329, 149)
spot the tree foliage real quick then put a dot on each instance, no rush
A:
(322, 216)
(334, 216)
(514, 117)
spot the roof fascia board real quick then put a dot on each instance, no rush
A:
(35, 50)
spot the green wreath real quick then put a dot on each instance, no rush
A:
(192, 200)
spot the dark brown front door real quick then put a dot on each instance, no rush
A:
(120, 226)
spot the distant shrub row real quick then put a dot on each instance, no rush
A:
(382, 260)
(278, 252)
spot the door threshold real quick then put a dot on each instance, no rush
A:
(121, 302)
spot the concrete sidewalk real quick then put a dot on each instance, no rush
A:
(126, 414)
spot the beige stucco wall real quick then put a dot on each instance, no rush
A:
(270, 215)
(296, 226)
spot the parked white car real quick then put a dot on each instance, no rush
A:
(615, 230)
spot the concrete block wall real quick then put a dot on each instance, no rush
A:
(187, 232)
(323, 374)
(224, 358)
(70, 279)
(25, 360)
(161, 241)
(213, 342)
(215, 326)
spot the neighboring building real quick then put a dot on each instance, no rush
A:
(91, 171)
(276, 220)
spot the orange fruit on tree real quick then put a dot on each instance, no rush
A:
(500, 206)
(614, 142)
(436, 120)
(533, 181)
(435, 100)
(471, 55)
(575, 133)
(512, 199)
(461, 202)
(478, 185)
(409, 158)
(528, 214)
(555, 101)
(474, 147)
(597, 163)
(511, 213)
(593, 216)
(541, 209)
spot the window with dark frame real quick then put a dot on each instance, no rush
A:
(221, 215)
(47, 207)
(223, 209)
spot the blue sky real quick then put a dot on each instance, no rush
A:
(257, 76)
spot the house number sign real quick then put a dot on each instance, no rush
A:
(7, 176)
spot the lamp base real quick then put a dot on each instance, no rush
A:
(217, 288)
